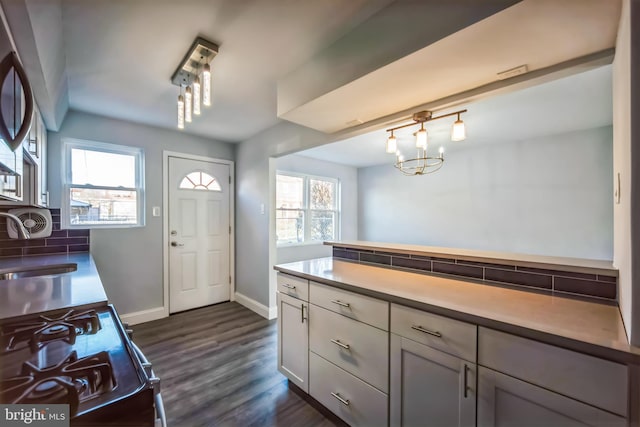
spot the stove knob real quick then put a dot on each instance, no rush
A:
(155, 383)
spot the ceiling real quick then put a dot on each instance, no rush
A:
(578, 102)
(115, 58)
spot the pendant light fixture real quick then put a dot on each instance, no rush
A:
(423, 164)
(180, 112)
(188, 104)
(458, 131)
(194, 74)
(196, 96)
(206, 85)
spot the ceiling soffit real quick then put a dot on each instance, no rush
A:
(536, 33)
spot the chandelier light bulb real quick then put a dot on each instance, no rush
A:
(206, 85)
(180, 112)
(441, 151)
(196, 96)
(458, 131)
(392, 144)
(188, 104)
(421, 139)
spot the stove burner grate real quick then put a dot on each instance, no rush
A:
(72, 381)
(44, 329)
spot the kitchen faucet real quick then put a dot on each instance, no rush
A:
(24, 234)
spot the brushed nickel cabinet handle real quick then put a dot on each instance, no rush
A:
(426, 331)
(302, 313)
(343, 345)
(340, 398)
(288, 286)
(340, 303)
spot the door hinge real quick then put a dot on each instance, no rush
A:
(229, 179)
(229, 229)
(229, 279)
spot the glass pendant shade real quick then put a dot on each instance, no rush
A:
(188, 104)
(180, 112)
(421, 139)
(206, 85)
(196, 96)
(392, 144)
(458, 131)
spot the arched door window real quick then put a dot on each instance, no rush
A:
(198, 180)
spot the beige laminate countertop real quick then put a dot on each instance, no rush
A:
(579, 324)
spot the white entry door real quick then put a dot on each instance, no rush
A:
(199, 233)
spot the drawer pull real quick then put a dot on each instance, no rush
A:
(340, 303)
(466, 383)
(343, 345)
(302, 313)
(340, 398)
(288, 286)
(426, 331)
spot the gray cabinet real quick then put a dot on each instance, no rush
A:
(293, 340)
(507, 401)
(430, 387)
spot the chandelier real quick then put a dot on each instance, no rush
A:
(193, 75)
(423, 164)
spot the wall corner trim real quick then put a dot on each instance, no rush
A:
(253, 305)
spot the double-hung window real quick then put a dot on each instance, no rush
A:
(103, 185)
(307, 209)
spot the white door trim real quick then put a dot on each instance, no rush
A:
(165, 222)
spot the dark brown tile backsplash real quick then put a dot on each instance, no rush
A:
(561, 281)
(60, 241)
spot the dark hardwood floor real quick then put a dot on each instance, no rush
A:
(218, 367)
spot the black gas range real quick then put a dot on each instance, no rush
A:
(82, 358)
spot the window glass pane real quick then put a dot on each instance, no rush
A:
(102, 169)
(322, 194)
(322, 225)
(290, 226)
(94, 206)
(289, 192)
(200, 181)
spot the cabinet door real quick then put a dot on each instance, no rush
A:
(429, 387)
(507, 401)
(293, 340)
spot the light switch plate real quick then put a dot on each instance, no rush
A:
(156, 211)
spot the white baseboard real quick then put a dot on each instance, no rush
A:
(144, 316)
(255, 306)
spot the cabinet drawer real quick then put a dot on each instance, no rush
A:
(445, 334)
(354, 346)
(589, 379)
(350, 398)
(294, 286)
(366, 309)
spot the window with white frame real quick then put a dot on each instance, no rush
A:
(103, 185)
(307, 209)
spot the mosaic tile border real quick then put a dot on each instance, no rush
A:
(591, 285)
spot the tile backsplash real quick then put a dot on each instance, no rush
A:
(60, 241)
(502, 273)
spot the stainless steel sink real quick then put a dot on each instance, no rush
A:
(37, 270)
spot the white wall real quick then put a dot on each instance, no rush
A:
(129, 260)
(623, 154)
(348, 177)
(549, 196)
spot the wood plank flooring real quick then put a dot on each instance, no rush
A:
(218, 367)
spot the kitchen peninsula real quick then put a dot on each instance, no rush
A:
(486, 346)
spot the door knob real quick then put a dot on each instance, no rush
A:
(176, 244)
